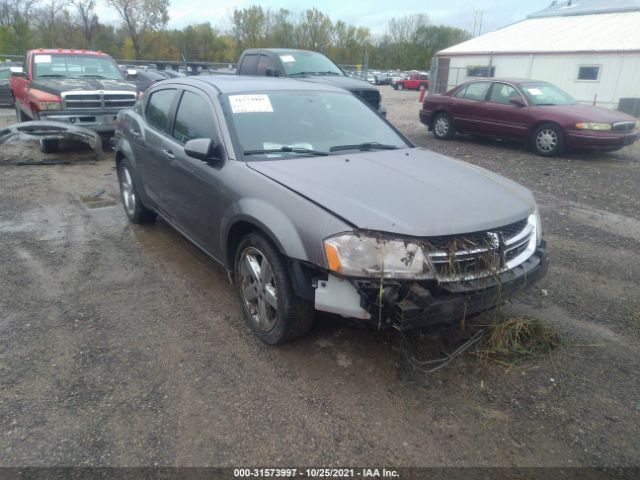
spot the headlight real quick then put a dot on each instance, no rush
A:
(49, 105)
(593, 126)
(365, 256)
(535, 219)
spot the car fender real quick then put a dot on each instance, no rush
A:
(272, 221)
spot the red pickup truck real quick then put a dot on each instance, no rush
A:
(78, 87)
(415, 81)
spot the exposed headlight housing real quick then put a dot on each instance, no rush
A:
(49, 105)
(594, 126)
(359, 255)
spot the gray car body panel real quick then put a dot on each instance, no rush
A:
(299, 202)
(414, 192)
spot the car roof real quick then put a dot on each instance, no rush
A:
(279, 50)
(68, 51)
(516, 81)
(245, 83)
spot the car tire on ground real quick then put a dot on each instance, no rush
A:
(443, 126)
(271, 308)
(131, 201)
(49, 145)
(400, 86)
(548, 140)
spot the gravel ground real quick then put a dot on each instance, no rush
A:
(124, 345)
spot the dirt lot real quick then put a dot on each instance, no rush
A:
(124, 345)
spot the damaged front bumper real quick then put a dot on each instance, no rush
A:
(45, 130)
(406, 305)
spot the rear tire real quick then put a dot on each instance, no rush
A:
(548, 140)
(443, 126)
(49, 145)
(400, 86)
(131, 201)
(274, 313)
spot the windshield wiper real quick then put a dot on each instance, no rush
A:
(363, 147)
(51, 75)
(286, 149)
(315, 73)
(90, 76)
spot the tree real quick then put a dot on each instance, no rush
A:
(87, 20)
(248, 27)
(314, 30)
(139, 16)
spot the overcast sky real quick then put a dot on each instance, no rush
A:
(367, 13)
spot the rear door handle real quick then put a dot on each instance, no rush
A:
(136, 133)
(168, 153)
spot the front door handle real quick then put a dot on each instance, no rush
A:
(168, 153)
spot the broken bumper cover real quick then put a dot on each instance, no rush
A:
(42, 129)
(457, 300)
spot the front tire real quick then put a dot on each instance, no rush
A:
(272, 310)
(400, 86)
(548, 140)
(443, 126)
(49, 145)
(131, 201)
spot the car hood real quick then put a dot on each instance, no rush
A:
(59, 85)
(348, 83)
(587, 113)
(413, 192)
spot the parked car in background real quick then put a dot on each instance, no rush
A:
(5, 89)
(414, 81)
(168, 73)
(143, 79)
(538, 113)
(76, 87)
(308, 66)
(265, 175)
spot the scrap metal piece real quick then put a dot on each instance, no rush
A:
(44, 130)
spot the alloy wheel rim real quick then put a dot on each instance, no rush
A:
(258, 289)
(547, 140)
(128, 194)
(442, 126)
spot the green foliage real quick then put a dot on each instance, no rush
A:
(409, 41)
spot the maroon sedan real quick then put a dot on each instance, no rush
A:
(535, 112)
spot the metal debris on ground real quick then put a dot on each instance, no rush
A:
(444, 359)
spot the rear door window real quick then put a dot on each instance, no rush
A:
(194, 118)
(477, 91)
(249, 63)
(158, 108)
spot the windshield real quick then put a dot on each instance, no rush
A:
(298, 124)
(297, 63)
(75, 66)
(546, 94)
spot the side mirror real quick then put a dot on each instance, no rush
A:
(272, 72)
(517, 101)
(200, 148)
(132, 72)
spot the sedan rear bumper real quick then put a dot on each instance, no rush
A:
(604, 140)
(425, 118)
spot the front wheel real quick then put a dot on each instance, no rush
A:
(272, 310)
(133, 206)
(400, 86)
(548, 140)
(443, 127)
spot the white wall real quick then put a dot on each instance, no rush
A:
(619, 73)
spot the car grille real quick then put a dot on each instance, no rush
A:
(98, 100)
(372, 97)
(466, 257)
(624, 126)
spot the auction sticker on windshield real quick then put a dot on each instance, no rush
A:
(287, 58)
(250, 103)
(42, 59)
(534, 91)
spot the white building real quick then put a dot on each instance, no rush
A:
(590, 48)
